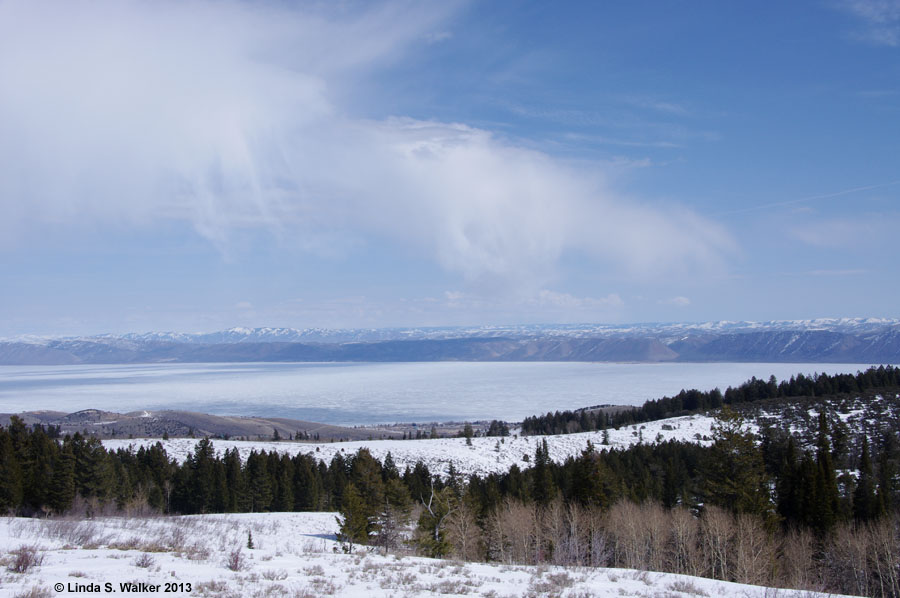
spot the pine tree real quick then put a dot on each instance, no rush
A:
(467, 432)
(10, 475)
(827, 506)
(787, 484)
(431, 532)
(201, 477)
(864, 502)
(37, 472)
(307, 484)
(887, 474)
(356, 520)
(389, 468)
(93, 473)
(365, 475)
(542, 488)
(736, 477)
(236, 500)
(259, 484)
(284, 497)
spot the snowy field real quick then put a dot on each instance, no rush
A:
(295, 555)
(486, 455)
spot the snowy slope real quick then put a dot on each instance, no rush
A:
(486, 455)
(294, 554)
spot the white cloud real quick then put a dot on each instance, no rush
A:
(234, 116)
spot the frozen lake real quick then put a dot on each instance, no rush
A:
(367, 393)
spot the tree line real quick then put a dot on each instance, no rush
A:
(692, 401)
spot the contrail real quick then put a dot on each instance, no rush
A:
(812, 198)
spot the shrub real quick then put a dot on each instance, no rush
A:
(236, 561)
(24, 558)
(35, 592)
(144, 561)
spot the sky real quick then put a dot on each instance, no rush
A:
(198, 165)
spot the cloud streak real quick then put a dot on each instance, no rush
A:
(240, 116)
(880, 21)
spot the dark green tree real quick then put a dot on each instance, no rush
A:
(826, 508)
(259, 483)
(10, 475)
(736, 477)
(865, 504)
(543, 488)
(431, 533)
(356, 519)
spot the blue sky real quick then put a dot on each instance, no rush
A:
(199, 165)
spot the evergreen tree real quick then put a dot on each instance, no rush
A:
(542, 487)
(236, 499)
(201, 478)
(259, 484)
(123, 491)
(467, 433)
(888, 460)
(592, 482)
(356, 520)
(431, 533)
(735, 472)
(787, 484)
(284, 497)
(307, 484)
(389, 468)
(826, 507)
(93, 473)
(865, 505)
(10, 475)
(365, 473)
(40, 453)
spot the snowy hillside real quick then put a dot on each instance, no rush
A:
(294, 554)
(485, 455)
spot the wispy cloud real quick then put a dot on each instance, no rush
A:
(676, 301)
(848, 232)
(547, 298)
(528, 307)
(838, 272)
(879, 20)
(233, 116)
(437, 37)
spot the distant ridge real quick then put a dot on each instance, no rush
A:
(853, 340)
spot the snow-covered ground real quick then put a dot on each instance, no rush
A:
(294, 554)
(485, 455)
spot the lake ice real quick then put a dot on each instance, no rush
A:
(368, 393)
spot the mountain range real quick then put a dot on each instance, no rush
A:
(849, 340)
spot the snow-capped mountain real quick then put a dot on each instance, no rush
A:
(856, 340)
